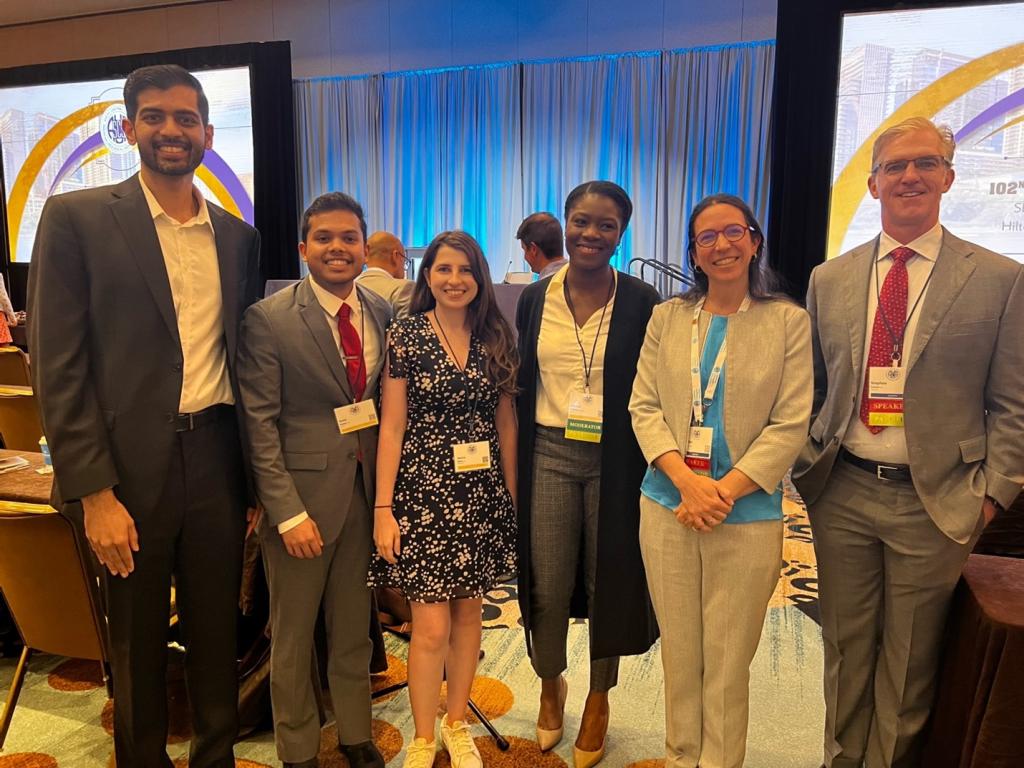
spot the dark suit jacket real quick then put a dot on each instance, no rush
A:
(106, 357)
(623, 620)
(292, 378)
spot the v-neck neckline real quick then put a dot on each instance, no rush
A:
(444, 348)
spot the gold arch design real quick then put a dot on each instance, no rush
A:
(851, 186)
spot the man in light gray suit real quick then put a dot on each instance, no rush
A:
(385, 271)
(309, 363)
(916, 441)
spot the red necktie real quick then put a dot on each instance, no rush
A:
(892, 306)
(353, 350)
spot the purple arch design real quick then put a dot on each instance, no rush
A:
(71, 164)
(1001, 107)
(214, 162)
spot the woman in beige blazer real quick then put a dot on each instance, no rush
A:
(720, 407)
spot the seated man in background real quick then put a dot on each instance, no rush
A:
(540, 236)
(385, 271)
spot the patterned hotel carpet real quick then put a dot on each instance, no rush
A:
(64, 719)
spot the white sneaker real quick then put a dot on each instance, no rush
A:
(459, 743)
(420, 754)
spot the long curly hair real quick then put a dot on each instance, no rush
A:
(485, 320)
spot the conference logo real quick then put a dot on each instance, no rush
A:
(112, 130)
(109, 139)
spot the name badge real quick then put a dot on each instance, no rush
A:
(469, 457)
(885, 396)
(586, 414)
(352, 418)
(698, 450)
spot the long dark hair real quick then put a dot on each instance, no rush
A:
(485, 320)
(763, 282)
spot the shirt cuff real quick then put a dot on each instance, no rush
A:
(291, 522)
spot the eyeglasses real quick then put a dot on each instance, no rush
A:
(406, 260)
(926, 164)
(733, 233)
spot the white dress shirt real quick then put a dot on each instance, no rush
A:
(890, 445)
(368, 339)
(193, 271)
(559, 361)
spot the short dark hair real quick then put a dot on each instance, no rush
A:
(543, 230)
(333, 201)
(162, 77)
(608, 189)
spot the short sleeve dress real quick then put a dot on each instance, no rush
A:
(458, 530)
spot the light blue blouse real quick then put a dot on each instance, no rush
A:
(751, 508)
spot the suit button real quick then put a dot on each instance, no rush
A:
(351, 454)
(169, 417)
(177, 366)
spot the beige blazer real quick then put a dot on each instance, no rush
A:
(768, 386)
(964, 393)
(396, 291)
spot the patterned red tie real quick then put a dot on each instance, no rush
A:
(892, 301)
(353, 350)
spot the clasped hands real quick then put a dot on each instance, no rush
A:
(705, 503)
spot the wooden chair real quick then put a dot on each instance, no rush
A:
(14, 368)
(52, 595)
(19, 419)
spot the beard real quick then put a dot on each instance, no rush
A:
(181, 166)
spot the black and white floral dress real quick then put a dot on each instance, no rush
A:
(458, 530)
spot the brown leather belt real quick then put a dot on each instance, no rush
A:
(899, 473)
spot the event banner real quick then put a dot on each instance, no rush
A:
(65, 136)
(962, 66)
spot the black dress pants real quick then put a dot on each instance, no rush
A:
(194, 533)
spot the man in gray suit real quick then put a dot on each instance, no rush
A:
(136, 291)
(385, 271)
(916, 441)
(309, 364)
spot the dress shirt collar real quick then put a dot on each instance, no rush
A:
(156, 210)
(330, 303)
(558, 279)
(927, 245)
(552, 268)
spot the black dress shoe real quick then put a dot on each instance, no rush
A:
(311, 763)
(362, 755)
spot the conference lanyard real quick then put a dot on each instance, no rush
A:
(587, 368)
(897, 342)
(700, 403)
(471, 394)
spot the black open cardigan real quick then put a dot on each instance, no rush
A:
(623, 620)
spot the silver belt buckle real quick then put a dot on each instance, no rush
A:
(879, 468)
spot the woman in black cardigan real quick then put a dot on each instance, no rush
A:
(580, 469)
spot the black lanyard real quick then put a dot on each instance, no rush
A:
(587, 368)
(470, 393)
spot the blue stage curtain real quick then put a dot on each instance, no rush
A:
(717, 102)
(478, 148)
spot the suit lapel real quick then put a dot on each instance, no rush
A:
(228, 249)
(379, 325)
(861, 263)
(313, 316)
(949, 275)
(136, 222)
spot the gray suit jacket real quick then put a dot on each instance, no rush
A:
(767, 386)
(292, 378)
(964, 395)
(395, 290)
(106, 357)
